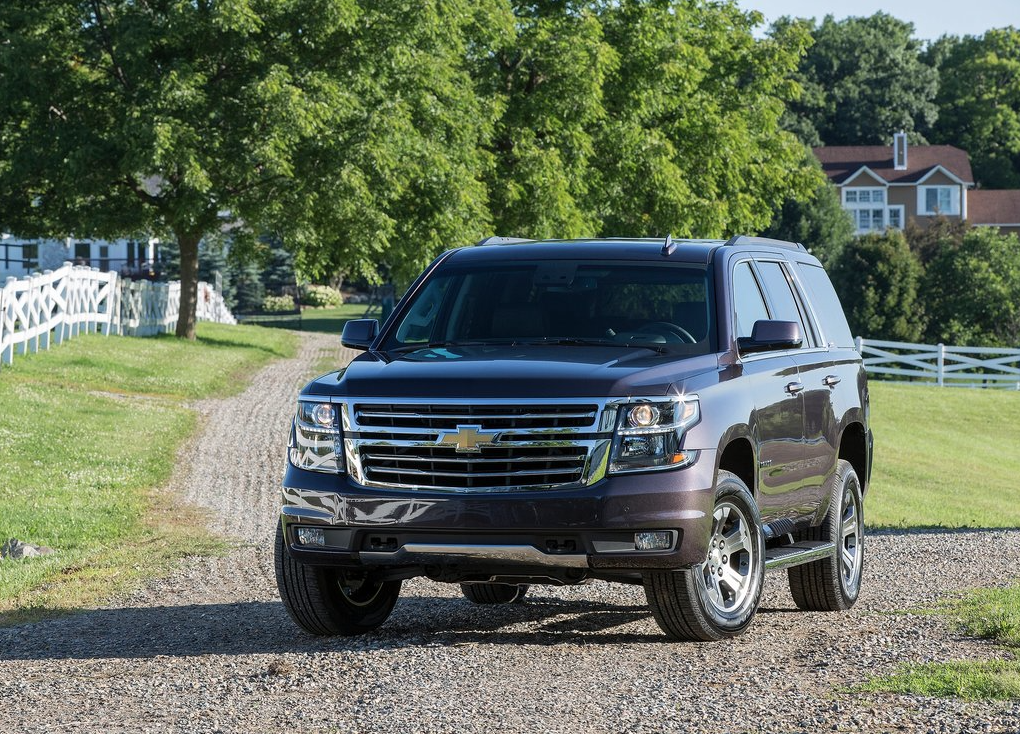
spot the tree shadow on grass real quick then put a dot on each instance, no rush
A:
(245, 628)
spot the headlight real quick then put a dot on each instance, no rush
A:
(316, 441)
(649, 434)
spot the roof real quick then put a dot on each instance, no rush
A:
(624, 248)
(841, 161)
(993, 207)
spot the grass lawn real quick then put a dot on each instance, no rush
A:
(89, 433)
(332, 320)
(944, 457)
(992, 614)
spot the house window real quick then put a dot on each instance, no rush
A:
(82, 253)
(894, 216)
(30, 257)
(934, 200)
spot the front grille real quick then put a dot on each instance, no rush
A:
(504, 446)
(508, 466)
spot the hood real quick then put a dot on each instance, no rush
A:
(545, 371)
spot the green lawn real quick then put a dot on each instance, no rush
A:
(992, 614)
(944, 457)
(332, 320)
(89, 431)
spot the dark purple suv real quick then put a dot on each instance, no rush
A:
(682, 414)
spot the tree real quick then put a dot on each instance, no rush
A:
(348, 130)
(974, 291)
(878, 280)
(864, 79)
(979, 102)
(818, 220)
(640, 118)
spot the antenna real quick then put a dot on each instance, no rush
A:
(669, 246)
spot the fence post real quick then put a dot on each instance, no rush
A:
(8, 354)
(859, 343)
(942, 365)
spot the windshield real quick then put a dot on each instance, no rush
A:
(660, 306)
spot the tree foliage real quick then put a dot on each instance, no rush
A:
(819, 221)
(348, 129)
(864, 79)
(879, 283)
(973, 291)
(979, 102)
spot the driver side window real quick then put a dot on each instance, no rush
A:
(748, 302)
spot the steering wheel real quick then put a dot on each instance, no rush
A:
(666, 329)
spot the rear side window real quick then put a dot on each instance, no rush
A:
(747, 299)
(783, 300)
(826, 305)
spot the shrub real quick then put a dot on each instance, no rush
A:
(319, 296)
(277, 304)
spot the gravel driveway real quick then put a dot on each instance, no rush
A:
(212, 649)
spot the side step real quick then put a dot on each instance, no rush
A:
(798, 553)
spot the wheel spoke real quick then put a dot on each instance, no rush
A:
(849, 561)
(850, 522)
(734, 542)
(734, 580)
(722, 513)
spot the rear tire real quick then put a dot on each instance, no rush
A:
(328, 601)
(494, 593)
(719, 597)
(833, 584)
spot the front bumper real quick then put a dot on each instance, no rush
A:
(492, 532)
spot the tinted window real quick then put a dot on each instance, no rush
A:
(783, 300)
(747, 299)
(826, 305)
(628, 304)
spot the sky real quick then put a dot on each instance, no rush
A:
(931, 18)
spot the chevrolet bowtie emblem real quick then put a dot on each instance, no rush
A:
(467, 439)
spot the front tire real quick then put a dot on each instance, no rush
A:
(833, 584)
(719, 597)
(328, 601)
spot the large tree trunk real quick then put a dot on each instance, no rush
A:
(189, 284)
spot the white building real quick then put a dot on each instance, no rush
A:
(137, 258)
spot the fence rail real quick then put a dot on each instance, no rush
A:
(942, 365)
(72, 300)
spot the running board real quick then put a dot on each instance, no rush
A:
(798, 553)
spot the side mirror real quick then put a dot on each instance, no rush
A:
(360, 333)
(767, 336)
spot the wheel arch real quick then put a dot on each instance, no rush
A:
(737, 456)
(853, 447)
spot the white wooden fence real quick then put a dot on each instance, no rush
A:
(942, 365)
(61, 304)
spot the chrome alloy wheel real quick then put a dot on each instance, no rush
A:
(727, 572)
(851, 536)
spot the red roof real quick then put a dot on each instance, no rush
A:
(841, 161)
(993, 207)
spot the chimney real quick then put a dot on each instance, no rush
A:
(900, 151)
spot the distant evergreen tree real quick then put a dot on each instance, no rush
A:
(278, 275)
(212, 259)
(249, 290)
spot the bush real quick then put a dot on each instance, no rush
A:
(319, 296)
(278, 304)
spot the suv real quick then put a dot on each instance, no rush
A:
(683, 415)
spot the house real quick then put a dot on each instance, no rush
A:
(135, 258)
(885, 186)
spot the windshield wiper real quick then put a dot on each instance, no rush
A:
(565, 341)
(441, 344)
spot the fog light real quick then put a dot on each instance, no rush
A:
(311, 536)
(653, 540)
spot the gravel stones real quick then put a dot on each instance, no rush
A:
(211, 649)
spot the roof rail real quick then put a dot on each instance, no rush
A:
(669, 246)
(743, 239)
(501, 241)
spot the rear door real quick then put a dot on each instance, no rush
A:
(815, 449)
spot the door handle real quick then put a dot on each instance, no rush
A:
(830, 381)
(794, 387)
